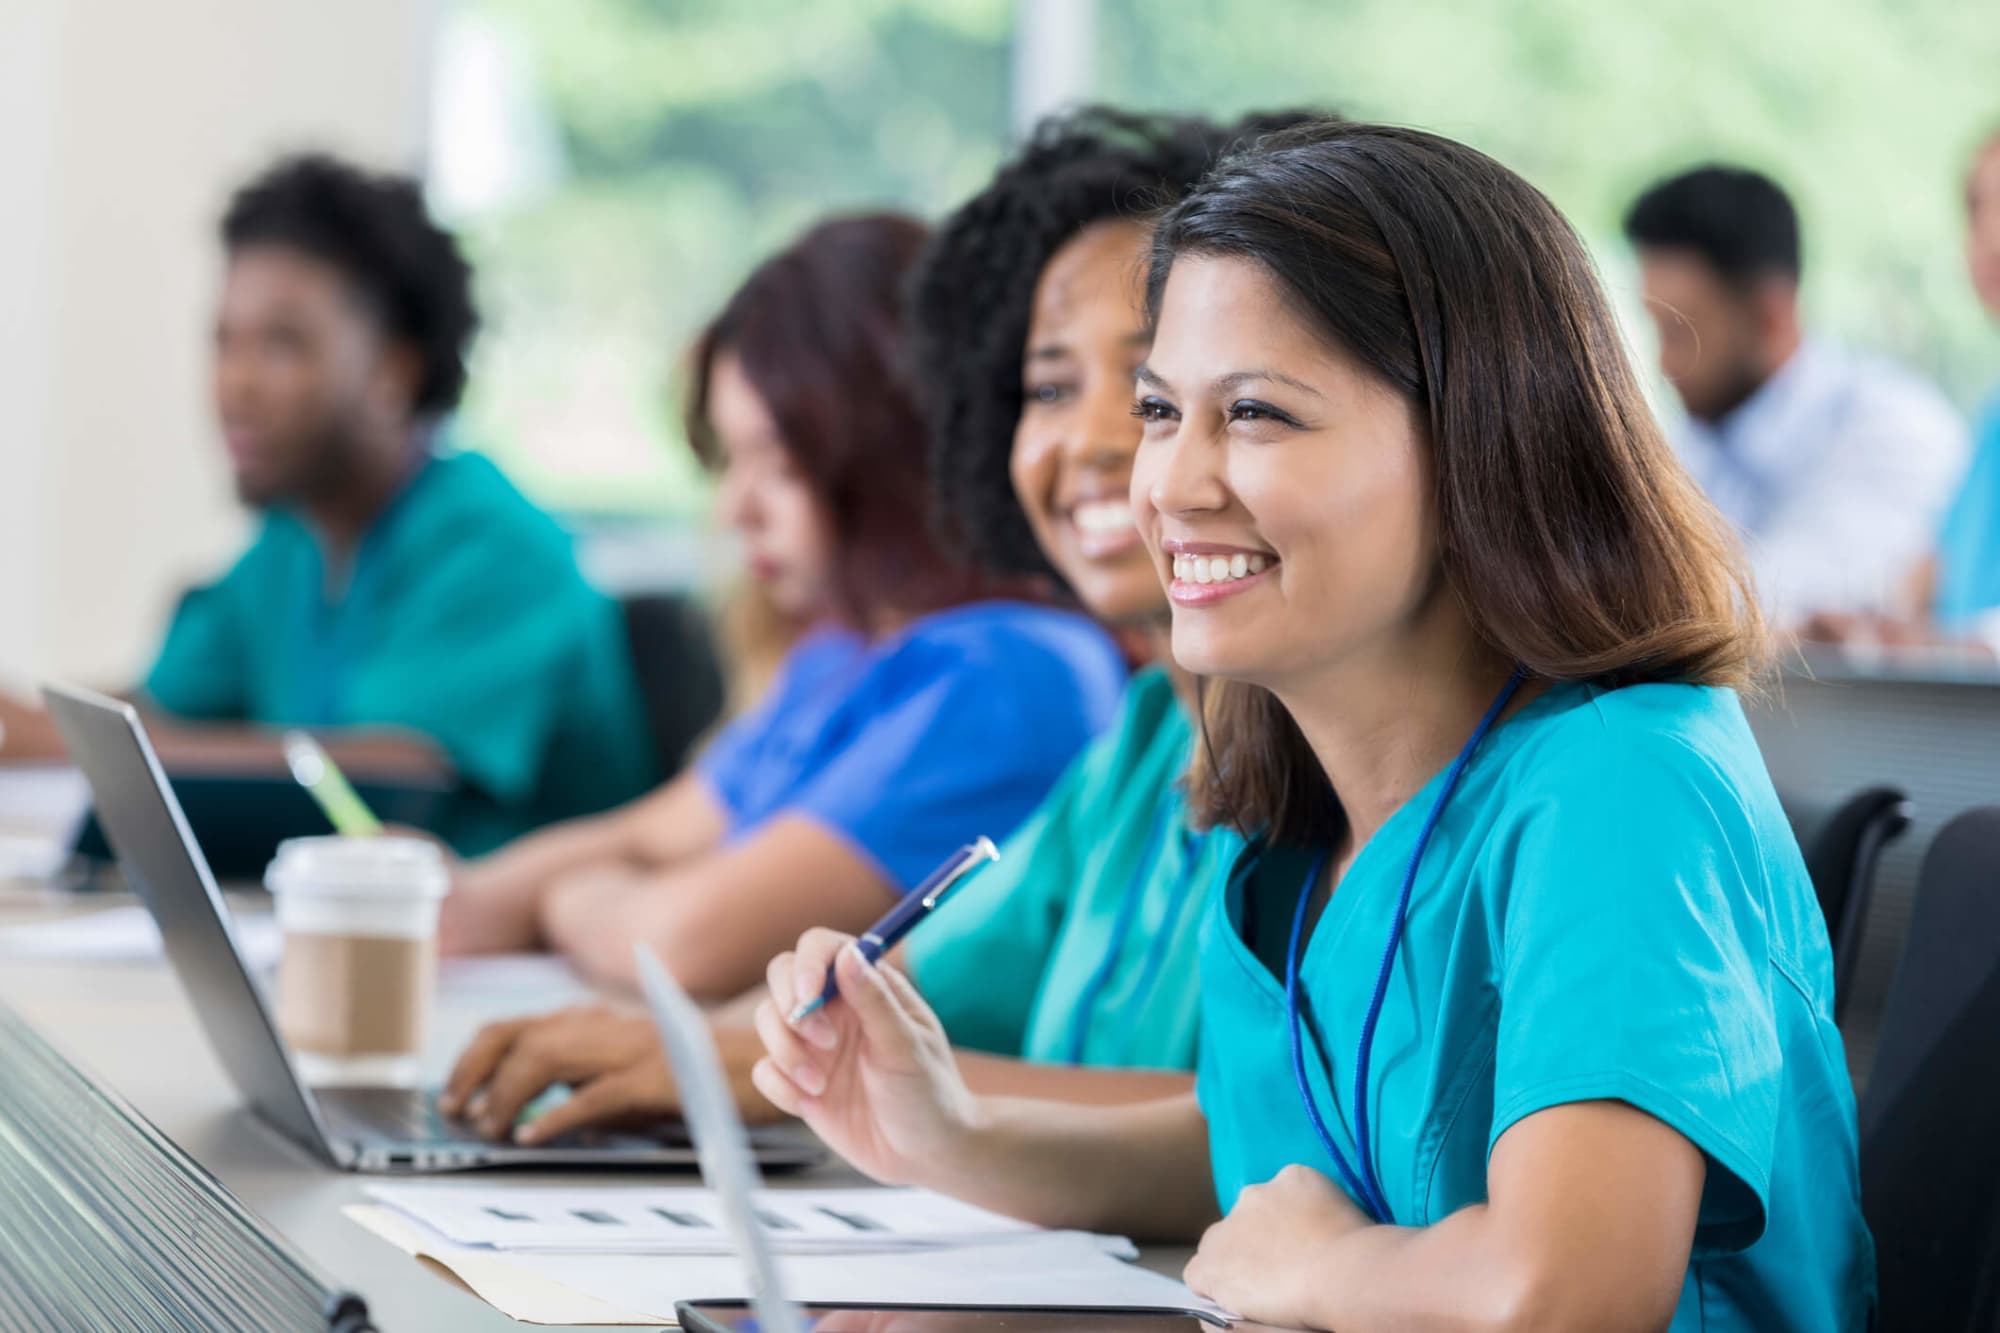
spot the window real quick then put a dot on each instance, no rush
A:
(616, 166)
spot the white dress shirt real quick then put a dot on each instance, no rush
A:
(1837, 472)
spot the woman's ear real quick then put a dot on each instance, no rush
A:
(398, 378)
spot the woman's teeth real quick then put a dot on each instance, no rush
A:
(1102, 518)
(1217, 568)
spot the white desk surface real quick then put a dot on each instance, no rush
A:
(127, 1025)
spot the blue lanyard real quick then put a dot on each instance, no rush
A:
(1363, 1185)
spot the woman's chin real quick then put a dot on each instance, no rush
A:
(1203, 656)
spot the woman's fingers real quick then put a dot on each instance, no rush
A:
(904, 992)
(780, 1091)
(865, 990)
(784, 1048)
(477, 1063)
(614, 1097)
(816, 952)
(783, 995)
(530, 1068)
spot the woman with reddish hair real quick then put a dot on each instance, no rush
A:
(924, 709)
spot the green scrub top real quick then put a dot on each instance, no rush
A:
(464, 618)
(1079, 946)
(1612, 907)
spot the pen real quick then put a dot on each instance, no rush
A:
(315, 770)
(904, 916)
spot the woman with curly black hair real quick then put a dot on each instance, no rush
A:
(1030, 321)
(1027, 322)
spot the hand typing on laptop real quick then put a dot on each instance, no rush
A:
(611, 1060)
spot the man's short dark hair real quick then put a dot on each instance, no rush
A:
(375, 230)
(1740, 221)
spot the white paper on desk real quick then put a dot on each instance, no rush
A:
(689, 1220)
(1050, 1268)
(128, 935)
(493, 1277)
(1063, 1269)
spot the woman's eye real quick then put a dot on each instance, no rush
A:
(1050, 393)
(1250, 409)
(1153, 409)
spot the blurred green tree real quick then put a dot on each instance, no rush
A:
(695, 135)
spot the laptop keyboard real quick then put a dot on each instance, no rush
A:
(392, 1113)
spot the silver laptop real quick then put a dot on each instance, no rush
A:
(387, 1130)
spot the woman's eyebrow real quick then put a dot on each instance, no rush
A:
(1236, 379)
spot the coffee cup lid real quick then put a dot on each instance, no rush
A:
(383, 865)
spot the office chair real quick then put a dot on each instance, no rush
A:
(679, 673)
(1841, 857)
(1930, 1153)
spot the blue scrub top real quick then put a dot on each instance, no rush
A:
(1969, 543)
(1612, 907)
(464, 619)
(908, 747)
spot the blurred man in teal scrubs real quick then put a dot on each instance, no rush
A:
(402, 599)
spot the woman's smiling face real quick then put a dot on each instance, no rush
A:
(1071, 463)
(1283, 493)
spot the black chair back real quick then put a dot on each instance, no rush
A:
(1930, 1121)
(1841, 857)
(680, 677)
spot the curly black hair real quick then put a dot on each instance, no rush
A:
(375, 230)
(973, 289)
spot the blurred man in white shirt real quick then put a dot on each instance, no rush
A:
(1835, 465)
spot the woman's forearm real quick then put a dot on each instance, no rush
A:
(1456, 1274)
(647, 834)
(1139, 1169)
(548, 853)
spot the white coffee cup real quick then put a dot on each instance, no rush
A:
(359, 918)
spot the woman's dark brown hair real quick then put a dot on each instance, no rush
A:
(819, 330)
(1576, 545)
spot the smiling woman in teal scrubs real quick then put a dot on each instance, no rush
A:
(1515, 1010)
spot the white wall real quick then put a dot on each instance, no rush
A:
(123, 126)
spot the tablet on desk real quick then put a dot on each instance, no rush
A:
(740, 1317)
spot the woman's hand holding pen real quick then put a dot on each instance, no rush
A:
(872, 1073)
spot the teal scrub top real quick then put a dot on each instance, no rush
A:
(464, 618)
(1079, 946)
(1969, 542)
(1612, 907)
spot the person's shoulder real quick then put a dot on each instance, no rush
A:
(1013, 637)
(820, 651)
(1886, 391)
(463, 489)
(1640, 739)
(1147, 740)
